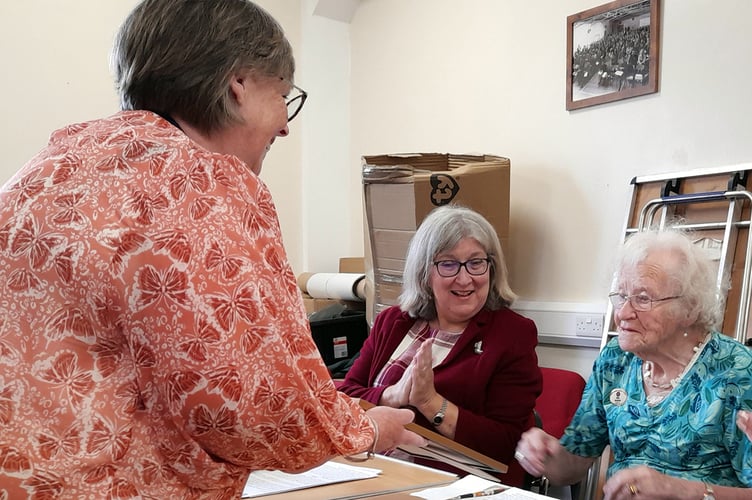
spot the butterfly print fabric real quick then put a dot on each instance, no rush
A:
(153, 341)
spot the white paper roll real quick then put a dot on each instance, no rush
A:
(344, 286)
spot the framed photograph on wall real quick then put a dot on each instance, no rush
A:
(612, 52)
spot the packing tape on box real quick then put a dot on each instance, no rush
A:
(343, 286)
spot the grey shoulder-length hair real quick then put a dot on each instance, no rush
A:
(177, 57)
(441, 231)
(692, 273)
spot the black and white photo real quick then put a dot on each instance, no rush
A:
(612, 52)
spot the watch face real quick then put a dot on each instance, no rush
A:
(439, 417)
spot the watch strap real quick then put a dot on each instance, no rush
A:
(439, 417)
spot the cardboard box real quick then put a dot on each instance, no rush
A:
(352, 265)
(390, 243)
(390, 250)
(401, 189)
(384, 265)
(312, 305)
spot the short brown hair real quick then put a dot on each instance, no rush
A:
(177, 57)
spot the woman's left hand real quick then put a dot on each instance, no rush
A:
(643, 482)
(422, 390)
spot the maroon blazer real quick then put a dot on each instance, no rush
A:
(495, 389)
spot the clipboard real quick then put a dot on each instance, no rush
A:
(442, 449)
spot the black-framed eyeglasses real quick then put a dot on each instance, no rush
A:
(295, 101)
(449, 268)
(639, 302)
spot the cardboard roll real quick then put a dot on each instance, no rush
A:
(342, 286)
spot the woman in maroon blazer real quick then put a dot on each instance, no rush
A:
(453, 351)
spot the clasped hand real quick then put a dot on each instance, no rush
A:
(415, 388)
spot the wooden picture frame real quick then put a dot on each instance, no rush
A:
(612, 52)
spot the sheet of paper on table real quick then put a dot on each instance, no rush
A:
(269, 482)
(472, 484)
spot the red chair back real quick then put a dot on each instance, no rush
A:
(562, 392)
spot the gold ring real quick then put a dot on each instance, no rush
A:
(633, 489)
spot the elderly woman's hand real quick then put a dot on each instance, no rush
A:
(534, 450)
(644, 482)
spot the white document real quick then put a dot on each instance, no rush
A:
(265, 482)
(467, 484)
(472, 484)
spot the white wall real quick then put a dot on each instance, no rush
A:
(488, 76)
(330, 182)
(485, 76)
(55, 57)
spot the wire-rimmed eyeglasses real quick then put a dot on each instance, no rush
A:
(474, 267)
(639, 302)
(295, 101)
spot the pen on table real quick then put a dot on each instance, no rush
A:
(484, 493)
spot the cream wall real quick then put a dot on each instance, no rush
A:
(55, 70)
(331, 192)
(55, 57)
(483, 76)
(488, 76)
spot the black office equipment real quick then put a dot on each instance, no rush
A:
(339, 334)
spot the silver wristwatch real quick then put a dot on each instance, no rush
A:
(439, 417)
(709, 494)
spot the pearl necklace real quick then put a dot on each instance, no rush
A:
(647, 375)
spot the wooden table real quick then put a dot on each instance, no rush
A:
(396, 481)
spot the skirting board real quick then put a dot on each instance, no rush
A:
(565, 323)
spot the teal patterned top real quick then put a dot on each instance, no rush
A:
(691, 434)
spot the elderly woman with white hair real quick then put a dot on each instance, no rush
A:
(666, 392)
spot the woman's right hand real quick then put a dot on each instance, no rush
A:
(398, 395)
(391, 423)
(534, 450)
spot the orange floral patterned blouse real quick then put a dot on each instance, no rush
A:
(153, 341)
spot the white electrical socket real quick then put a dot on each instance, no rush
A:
(588, 325)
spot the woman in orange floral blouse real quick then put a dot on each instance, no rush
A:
(153, 342)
